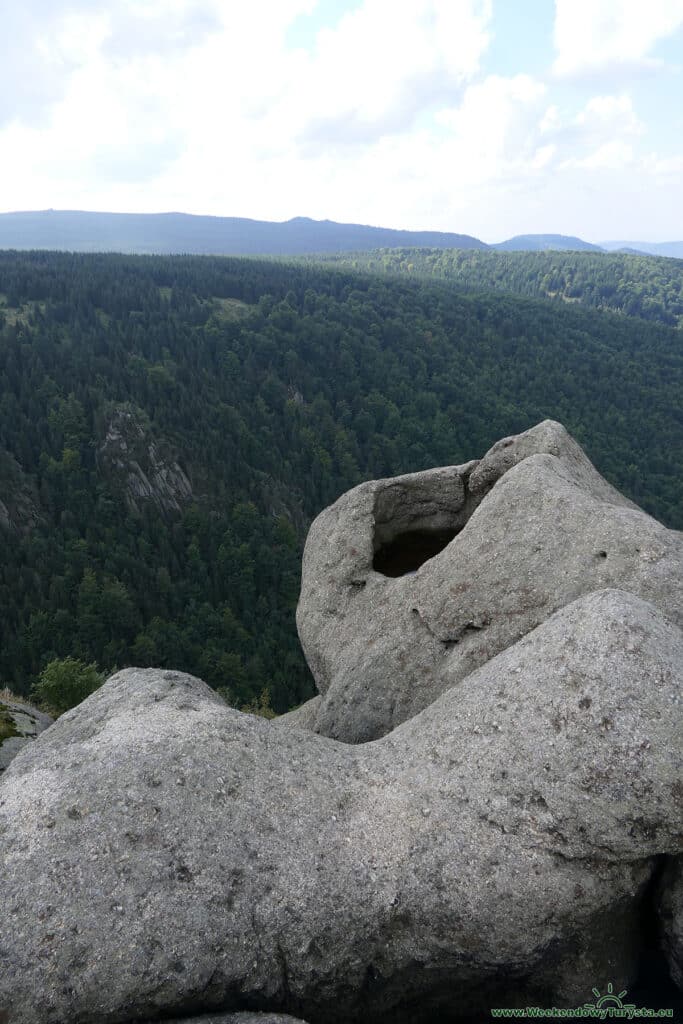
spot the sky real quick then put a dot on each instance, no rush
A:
(486, 117)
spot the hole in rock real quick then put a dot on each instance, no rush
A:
(408, 551)
(416, 516)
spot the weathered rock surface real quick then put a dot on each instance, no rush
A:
(494, 850)
(145, 468)
(19, 506)
(528, 529)
(20, 723)
(235, 1018)
(303, 717)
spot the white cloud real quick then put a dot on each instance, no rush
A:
(385, 63)
(33, 66)
(614, 155)
(44, 43)
(173, 26)
(606, 110)
(543, 157)
(604, 36)
(604, 120)
(387, 118)
(495, 126)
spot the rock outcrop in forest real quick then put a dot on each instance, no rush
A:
(507, 634)
(147, 469)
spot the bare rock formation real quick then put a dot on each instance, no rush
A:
(19, 506)
(20, 724)
(507, 633)
(410, 584)
(146, 468)
(183, 858)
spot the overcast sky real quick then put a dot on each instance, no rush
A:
(490, 117)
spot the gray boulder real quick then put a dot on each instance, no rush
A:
(20, 723)
(513, 538)
(184, 858)
(303, 717)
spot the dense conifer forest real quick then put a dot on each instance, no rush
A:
(649, 287)
(250, 394)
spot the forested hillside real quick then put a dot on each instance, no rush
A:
(648, 287)
(170, 425)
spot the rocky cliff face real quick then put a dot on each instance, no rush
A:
(499, 843)
(18, 501)
(146, 469)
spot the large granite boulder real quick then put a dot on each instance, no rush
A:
(410, 584)
(20, 723)
(165, 856)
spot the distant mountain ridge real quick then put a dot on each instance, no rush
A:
(542, 243)
(570, 243)
(165, 233)
(673, 250)
(191, 234)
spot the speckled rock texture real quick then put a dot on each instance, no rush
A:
(235, 1018)
(20, 723)
(533, 525)
(182, 858)
(303, 717)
